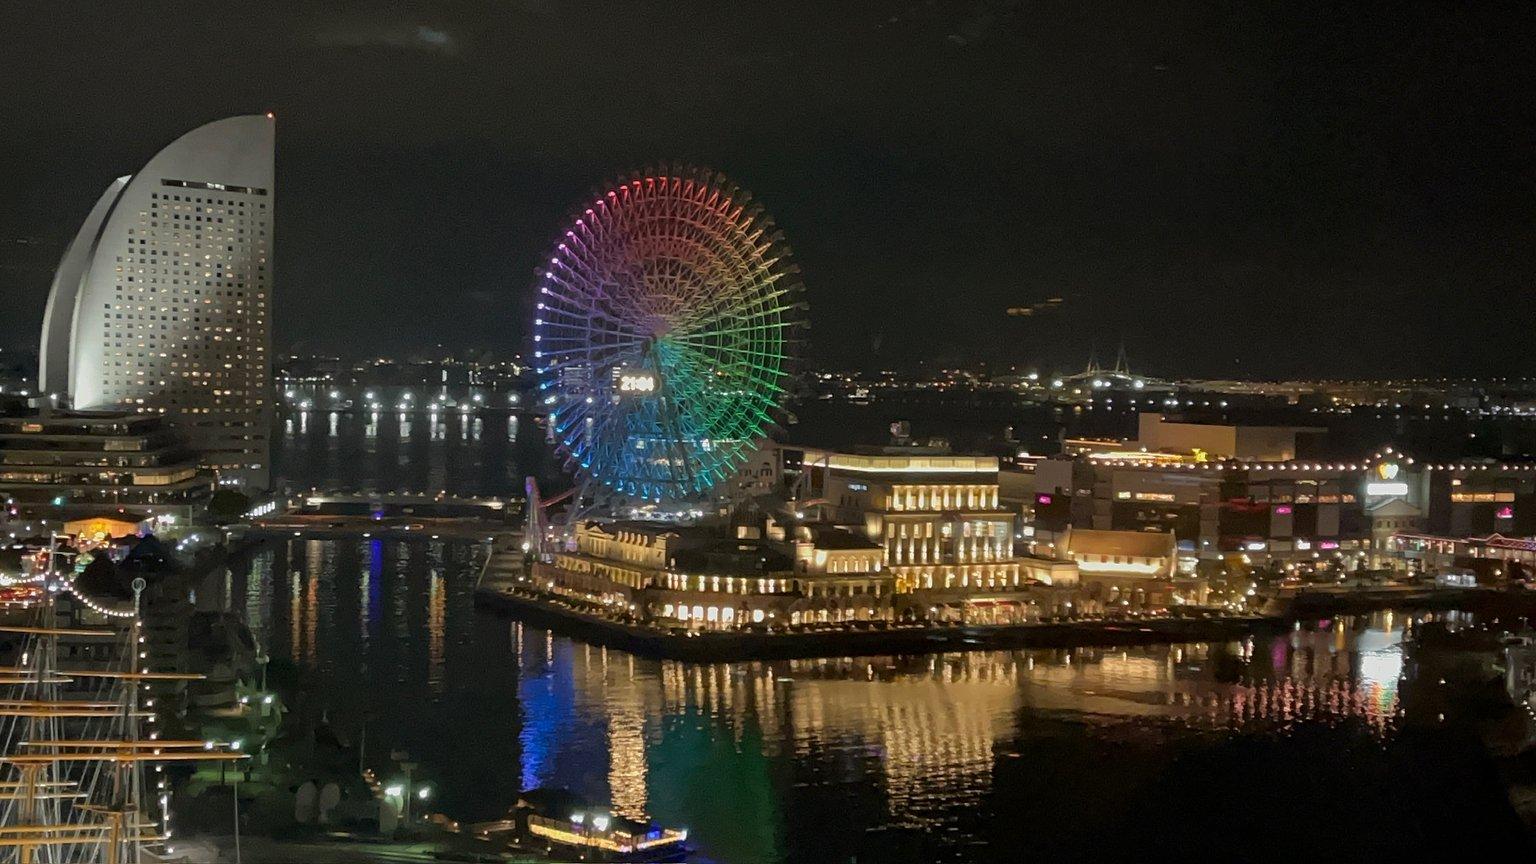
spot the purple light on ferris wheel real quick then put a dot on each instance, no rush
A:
(669, 319)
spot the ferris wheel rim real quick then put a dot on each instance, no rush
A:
(685, 276)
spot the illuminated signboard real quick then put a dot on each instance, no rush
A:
(1386, 484)
(1481, 497)
(628, 381)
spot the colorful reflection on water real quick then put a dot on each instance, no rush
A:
(943, 757)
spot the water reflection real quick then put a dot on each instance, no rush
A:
(470, 453)
(931, 727)
(759, 758)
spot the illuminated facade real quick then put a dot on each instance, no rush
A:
(947, 540)
(1161, 433)
(700, 579)
(1128, 568)
(1280, 510)
(71, 464)
(1377, 512)
(161, 304)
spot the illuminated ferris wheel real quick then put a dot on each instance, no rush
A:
(665, 322)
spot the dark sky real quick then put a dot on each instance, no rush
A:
(1231, 188)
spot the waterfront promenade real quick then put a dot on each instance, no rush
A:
(500, 589)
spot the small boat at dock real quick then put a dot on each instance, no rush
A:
(559, 824)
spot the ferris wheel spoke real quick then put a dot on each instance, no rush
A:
(682, 274)
(745, 370)
(753, 328)
(702, 412)
(582, 309)
(726, 409)
(586, 353)
(586, 328)
(678, 438)
(706, 317)
(590, 296)
(720, 357)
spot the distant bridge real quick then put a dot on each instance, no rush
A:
(393, 514)
(394, 504)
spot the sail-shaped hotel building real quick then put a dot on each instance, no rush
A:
(162, 303)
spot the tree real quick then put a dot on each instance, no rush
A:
(227, 505)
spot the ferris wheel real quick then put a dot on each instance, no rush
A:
(666, 318)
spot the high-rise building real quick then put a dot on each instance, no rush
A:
(162, 304)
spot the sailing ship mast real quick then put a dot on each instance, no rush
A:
(72, 758)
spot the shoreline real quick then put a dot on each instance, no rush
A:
(706, 646)
(733, 647)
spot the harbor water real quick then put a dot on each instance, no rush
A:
(1276, 748)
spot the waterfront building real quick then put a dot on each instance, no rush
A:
(1384, 511)
(1283, 510)
(162, 303)
(947, 537)
(703, 578)
(72, 464)
(1137, 569)
(1159, 433)
(760, 474)
(1468, 512)
(1430, 553)
(923, 534)
(896, 533)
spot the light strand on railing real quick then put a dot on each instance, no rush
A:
(93, 605)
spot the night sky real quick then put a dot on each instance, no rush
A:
(1229, 188)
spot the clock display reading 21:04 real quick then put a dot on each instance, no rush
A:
(634, 382)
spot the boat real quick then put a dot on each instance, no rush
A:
(564, 827)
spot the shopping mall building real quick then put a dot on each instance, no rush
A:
(1383, 510)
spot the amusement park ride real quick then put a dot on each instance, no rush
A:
(73, 741)
(666, 321)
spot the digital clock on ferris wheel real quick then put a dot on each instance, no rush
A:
(629, 382)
